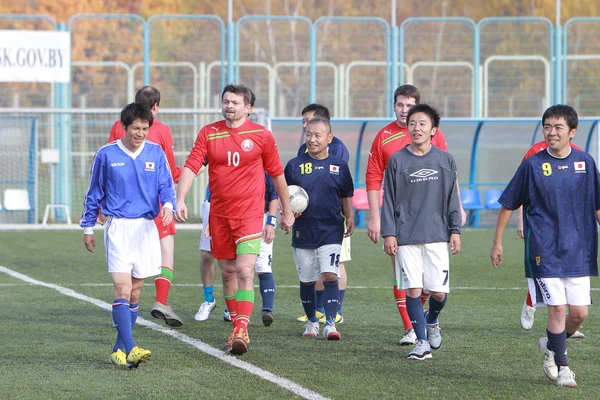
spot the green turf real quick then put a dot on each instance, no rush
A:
(55, 346)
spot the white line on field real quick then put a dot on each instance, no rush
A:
(198, 344)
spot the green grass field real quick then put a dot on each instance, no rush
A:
(55, 346)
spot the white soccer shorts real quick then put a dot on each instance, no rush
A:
(346, 253)
(425, 266)
(132, 247)
(204, 240)
(560, 291)
(311, 263)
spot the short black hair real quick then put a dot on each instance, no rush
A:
(134, 111)
(407, 91)
(568, 113)
(240, 90)
(148, 95)
(431, 112)
(320, 111)
(317, 120)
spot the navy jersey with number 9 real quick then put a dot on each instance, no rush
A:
(326, 181)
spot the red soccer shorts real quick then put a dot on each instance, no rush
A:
(164, 231)
(227, 234)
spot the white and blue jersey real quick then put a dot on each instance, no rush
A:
(126, 184)
(560, 198)
(336, 148)
(326, 181)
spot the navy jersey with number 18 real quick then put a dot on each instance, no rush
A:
(560, 198)
(326, 181)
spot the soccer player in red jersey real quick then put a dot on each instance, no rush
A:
(239, 151)
(528, 310)
(160, 134)
(389, 140)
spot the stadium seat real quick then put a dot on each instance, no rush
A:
(16, 200)
(360, 202)
(491, 197)
(471, 202)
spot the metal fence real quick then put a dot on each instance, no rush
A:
(498, 67)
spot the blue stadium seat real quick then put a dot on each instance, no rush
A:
(471, 202)
(491, 197)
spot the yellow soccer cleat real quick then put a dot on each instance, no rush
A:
(118, 358)
(138, 355)
(319, 314)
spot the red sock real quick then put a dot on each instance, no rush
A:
(424, 298)
(244, 304)
(400, 296)
(230, 303)
(528, 300)
(163, 284)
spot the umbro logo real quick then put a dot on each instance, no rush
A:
(424, 173)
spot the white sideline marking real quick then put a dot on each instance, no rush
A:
(198, 344)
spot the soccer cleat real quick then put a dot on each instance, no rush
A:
(239, 344)
(118, 358)
(319, 314)
(409, 337)
(162, 311)
(422, 351)
(549, 365)
(434, 335)
(226, 316)
(138, 355)
(267, 317)
(227, 346)
(566, 378)
(577, 335)
(311, 329)
(339, 318)
(205, 310)
(527, 315)
(330, 333)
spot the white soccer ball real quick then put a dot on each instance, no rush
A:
(298, 198)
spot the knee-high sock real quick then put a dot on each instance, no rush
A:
(415, 310)
(424, 298)
(400, 296)
(308, 296)
(319, 305)
(266, 283)
(331, 299)
(122, 319)
(434, 309)
(163, 284)
(230, 303)
(209, 293)
(557, 342)
(134, 310)
(244, 302)
(342, 295)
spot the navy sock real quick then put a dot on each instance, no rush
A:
(557, 342)
(266, 284)
(319, 305)
(309, 300)
(122, 319)
(434, 309)
(331, 298)
(342, 294)
(208, 293)
(415, 312)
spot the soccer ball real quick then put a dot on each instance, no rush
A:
(298, 198)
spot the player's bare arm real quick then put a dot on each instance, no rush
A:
(598, 216)
(348, 211)
(185, 183)
(90, 242)
(455, 243)
(374, 225)
(390, 245)
(520, 223)
(287, 217)
(463, 213)
(166, 214)
(496, 253)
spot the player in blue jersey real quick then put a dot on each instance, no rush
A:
(421, 216)
(319, 230)
(338, 149)
(130, 235)
(558, 189)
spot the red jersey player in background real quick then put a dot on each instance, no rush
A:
(528, 310)
(239, 151)
(390, 139)
(161, 134)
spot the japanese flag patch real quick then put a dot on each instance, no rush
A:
(579, 166)
(149, 166)
(334, 169)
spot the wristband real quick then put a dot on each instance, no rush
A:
(271, 220)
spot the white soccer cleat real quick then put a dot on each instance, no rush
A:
(311, 329)
(549, 365)
(331, 333)
(577, 335)
(566, 378)
(422, 351)
(409, 337)
(527, 316)
(205, 310)
(434, 335)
